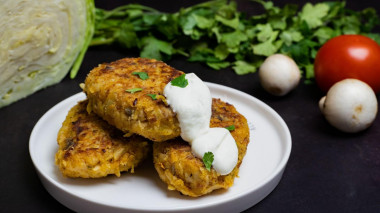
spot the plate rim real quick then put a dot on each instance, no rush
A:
(275, 174)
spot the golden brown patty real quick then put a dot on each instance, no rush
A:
(182, 171)
(91, 148)
(106, 88)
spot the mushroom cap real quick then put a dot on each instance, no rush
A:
(350, 105)
(279, 74)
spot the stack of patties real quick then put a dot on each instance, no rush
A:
(125, 112)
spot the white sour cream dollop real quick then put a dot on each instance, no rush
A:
(192, 104)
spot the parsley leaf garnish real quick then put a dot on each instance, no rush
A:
(180, 81)
(134, 90)
(230, 128)
(142, 75)
(153, 96)
(208, 158)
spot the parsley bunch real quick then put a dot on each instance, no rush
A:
(217, 34)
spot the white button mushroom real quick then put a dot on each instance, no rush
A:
(279, 74)
(350, 105)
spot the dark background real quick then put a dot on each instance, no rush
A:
(328, 171)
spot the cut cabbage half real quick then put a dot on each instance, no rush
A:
(40, 40)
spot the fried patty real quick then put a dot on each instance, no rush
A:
(108, 89)
(90, 148)
(182, 171)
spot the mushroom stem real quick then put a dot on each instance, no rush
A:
(322, 103)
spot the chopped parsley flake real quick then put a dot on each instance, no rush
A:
(134, 90)
(208, 158)
(142, 75)
(153, 96)
(230, 128)
(180, 81)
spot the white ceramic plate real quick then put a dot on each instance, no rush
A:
(143, 191)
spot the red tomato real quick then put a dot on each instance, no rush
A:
(348, 56)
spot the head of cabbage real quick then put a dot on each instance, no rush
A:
(40, 41)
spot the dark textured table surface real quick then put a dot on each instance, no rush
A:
(328, 171)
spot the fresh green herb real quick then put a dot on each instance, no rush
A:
(208, 158)
(153, 96)
(180, 81)
(217, 34)
(134, 90)
(142, 75)
(230, 128)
